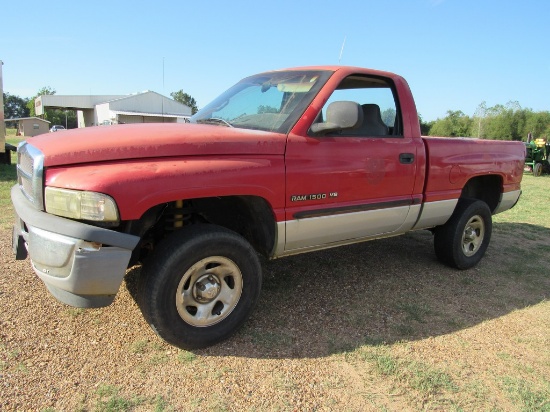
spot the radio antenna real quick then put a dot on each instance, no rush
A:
(162, 105)
(342, 49)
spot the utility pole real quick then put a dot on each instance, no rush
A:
(3, 155)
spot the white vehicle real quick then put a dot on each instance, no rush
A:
(57, 128)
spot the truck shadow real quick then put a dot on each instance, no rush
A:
(388, 291)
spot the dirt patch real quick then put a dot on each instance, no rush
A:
(366, 327)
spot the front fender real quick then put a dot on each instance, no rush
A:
(138, 185)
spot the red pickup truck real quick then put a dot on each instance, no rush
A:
(282, 163)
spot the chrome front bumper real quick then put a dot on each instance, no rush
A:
(82, 265)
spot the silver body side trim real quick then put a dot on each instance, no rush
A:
(435, 213)
(306, 235)
(411, 219)
(281, 239)
(323, 230)
(335, 244)
(507, 201)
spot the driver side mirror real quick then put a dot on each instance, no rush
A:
(340, 115)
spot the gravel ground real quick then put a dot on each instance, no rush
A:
(63, 358)
(320, 318)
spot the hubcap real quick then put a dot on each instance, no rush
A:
(206, 289)
(473, 235)
(209, 291)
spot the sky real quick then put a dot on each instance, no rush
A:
(455, 54)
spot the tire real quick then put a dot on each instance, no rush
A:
(463, 240)
(537, 169)
(199, 286)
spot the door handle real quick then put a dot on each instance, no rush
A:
(406, 158)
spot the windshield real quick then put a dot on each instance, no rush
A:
(269, 101)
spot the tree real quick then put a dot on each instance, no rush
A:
(455, 124)
(185, 99)
(425, 127)
(500, 122)
(479, 117)
(388, 116)
(505, 122)
(267, 109)
(63, 117)
(15, 106)
(44, 91)
(538, 124)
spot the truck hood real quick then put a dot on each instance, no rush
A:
(119, 142)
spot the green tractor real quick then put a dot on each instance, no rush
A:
(536, 157)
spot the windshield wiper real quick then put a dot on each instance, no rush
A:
(216, 121)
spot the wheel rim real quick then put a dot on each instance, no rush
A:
(209, 291)
(473, 235)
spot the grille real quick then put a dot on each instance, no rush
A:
(30, 172)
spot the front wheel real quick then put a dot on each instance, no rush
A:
(463, 240)
(199, 286)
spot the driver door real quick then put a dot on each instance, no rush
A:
(355, 183)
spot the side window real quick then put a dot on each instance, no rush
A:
(379, 110)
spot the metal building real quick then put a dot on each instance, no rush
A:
(30, 126)
(145, 107)
(2, 125)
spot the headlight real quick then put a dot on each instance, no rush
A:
(81, 205)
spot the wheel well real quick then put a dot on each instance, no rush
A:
(485, 188)
(249, 216)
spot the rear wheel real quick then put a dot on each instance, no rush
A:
(463, 240)
(199, 286)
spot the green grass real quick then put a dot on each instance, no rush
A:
(8, 177)
(10, 132)
(384, 363)
(13, 140)
(75, 312)
(529, 396)
(155, 350)
(414, 311)
(533, 204)
(412, 375)
(139, 346)
(159, 359)
(110, 400)
(160, 405)
(186, 357)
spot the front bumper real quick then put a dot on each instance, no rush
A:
(82, 265)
